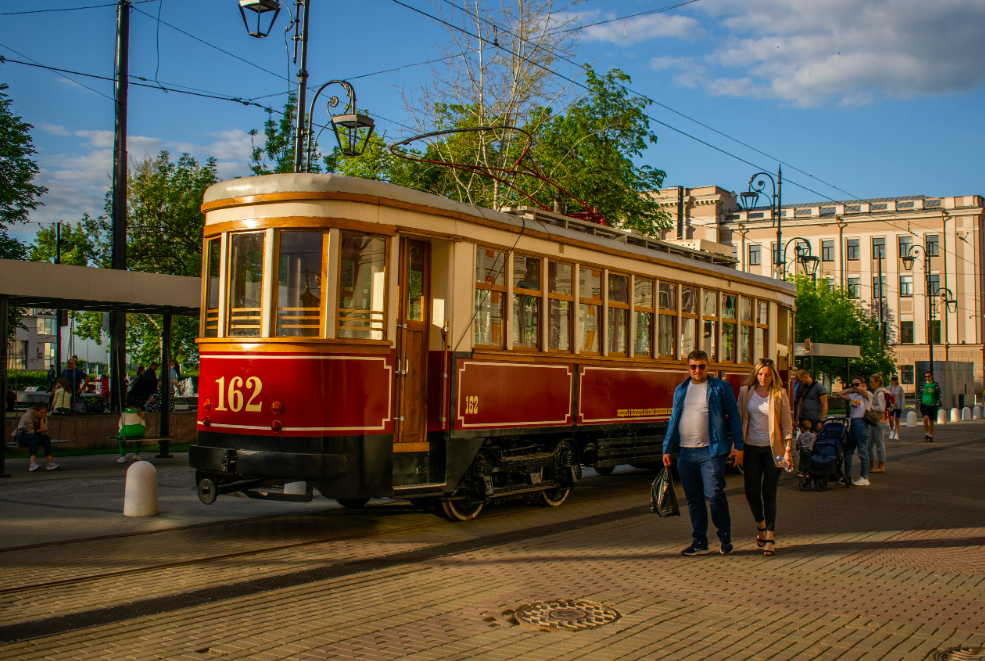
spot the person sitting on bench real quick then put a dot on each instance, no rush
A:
(33, 429)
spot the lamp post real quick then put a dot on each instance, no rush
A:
(757, 187)
(807, 261)
(352, 130)
(945, 295)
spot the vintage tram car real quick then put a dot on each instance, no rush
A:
(368, 340)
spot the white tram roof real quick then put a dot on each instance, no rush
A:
(632, 242)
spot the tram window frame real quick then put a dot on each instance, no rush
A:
(711, 346)
(747, 330)
(585, 305)
(213, 285)
(762, 316)
(230, 328)
(497, 285)
(729, 325)
(533, 296)
(610, 313)
(554, 295)
(641, 311)
(690, 318)
(341, 330)
(667, 317)
(321, 276)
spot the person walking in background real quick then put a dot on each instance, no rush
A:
(878, 431)
(898, 399)
(805, 443)
(811, 399)
(704, 413)
(929, 396)
(859, 401)
(52, 377)
(767, 434)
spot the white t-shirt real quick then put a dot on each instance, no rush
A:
(694, 417)
(758, 414)
(859, 404)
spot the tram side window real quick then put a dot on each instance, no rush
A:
(526, 302)
(728, 329)
(490, 292)
(362, 285)
(560, 297)
(213, 255)
(667, 322)
(745, 332)
(709, 324)
(589, 310)
(689, 321)
(299, 284)
(245, 284)
(643, 304)
(618, 314)
(762, 329)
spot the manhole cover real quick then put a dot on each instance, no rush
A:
(566, 614)
(961, 654)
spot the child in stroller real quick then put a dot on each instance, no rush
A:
(825, 461)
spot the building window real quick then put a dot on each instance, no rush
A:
(17, 358)
(879, 248)
(667, 319)
(212, 270)
(526, 301)
(560, 300)
(245, 284)
(854, 287)
(935, 284)
(490, 293)
(362, 286)
(935, 330)
(644, 310)
(852, 249)
(878, 286)
(906, 285)
(48, 353)
(299, 283)
(906, 374)
(46, 326)
(590, 310)
(827, 251)
(755, 255)
(617, 331)
(905, 243)
(906, 332)
(933, 247)
(774, 253)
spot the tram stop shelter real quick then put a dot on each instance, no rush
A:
(813, 350)
(61, 286)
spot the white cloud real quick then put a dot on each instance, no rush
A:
(55, 129)
(844, 51)
(642, 28)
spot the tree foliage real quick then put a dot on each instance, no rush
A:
(826, 314)
(276, 156)
(18, 195)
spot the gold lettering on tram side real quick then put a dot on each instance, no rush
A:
(640, 413)
(471, 405)
(234, 395)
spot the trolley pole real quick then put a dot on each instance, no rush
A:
(58, 312)
(302, 87)
(118, 323)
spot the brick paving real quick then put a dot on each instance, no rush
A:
(891, 571)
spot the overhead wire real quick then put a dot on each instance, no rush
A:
(623, 18)
(37, 64)
(63, 9)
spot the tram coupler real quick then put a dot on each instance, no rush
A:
(208, 490)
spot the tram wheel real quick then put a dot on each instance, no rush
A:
(352, 503)
(207, 491)
(604, 470)
(553, 497)
(460, 510)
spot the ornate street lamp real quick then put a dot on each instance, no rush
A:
(757, 187)
(352, 130)
(256, 21)
(943, 293)
(807, 261)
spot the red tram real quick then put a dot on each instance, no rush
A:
(367, 340)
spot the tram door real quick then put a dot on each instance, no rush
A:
(414, 322)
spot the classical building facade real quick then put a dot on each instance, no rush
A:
(860, 244)
(33, 347)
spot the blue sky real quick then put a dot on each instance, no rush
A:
(877, 97)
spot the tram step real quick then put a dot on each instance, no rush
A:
(632, 451)
(628, 441)
(640, 459)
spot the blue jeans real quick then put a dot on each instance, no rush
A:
(877, 442)
(858, 438)
(703, 477)
(32, 441)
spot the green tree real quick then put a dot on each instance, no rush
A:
(826, 314)
(276, 156)
(80, 246)
(18, 196)
(11, 248)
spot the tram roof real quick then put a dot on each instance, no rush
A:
(249, 189)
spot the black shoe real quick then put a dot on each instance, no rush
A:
(692, 550)
(726, 549)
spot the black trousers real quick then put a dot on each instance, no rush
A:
(762, 477)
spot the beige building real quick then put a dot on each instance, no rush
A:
(848, 238)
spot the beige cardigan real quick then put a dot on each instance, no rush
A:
(781, 420)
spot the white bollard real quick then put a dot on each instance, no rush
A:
(955, 415)
(976, 413)
(941, 416)
(966, 413)
(911, 419)
(140, 496)
(296, 488)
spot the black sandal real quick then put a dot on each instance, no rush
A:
(770, 553)
(760, 542)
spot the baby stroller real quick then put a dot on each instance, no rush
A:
(825, 465)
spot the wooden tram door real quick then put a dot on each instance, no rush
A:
(414, 323)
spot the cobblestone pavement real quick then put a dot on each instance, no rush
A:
(891, 571)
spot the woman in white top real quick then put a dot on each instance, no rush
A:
(767, 426)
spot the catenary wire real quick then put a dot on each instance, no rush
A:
(36, 64)
(63, 9)
(623, 18)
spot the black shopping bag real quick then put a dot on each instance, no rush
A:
(663, 498)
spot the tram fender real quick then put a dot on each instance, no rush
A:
(458, 457)
(291, 464)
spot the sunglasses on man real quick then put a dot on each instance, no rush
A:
(700, 367)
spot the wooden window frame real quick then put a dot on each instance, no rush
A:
(572, 306)
(702, 317)
(226, 280)
(675, 313)
(538, 294)
(733, 321)
(337, 254)
(599, 303)
(275, 293)
(689, 315)
(627, 306)
(492, 286)
(752, 333)
(219, 316)
(654, 292)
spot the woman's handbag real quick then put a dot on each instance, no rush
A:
(663, 498)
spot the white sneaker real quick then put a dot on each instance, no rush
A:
(136, 457)
(33, 466)
(52, 466)
(122, 459)
(861, 482)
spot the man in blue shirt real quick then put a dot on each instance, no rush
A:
(704, 412)
(76, 377)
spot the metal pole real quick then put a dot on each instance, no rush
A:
(118, 329)
(4, 312)
(302, 86)
(779, 216)
(882, 319)
(165, 415)
(930, 316)
(58, 312)
(680, 212)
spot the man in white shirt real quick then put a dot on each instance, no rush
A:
(703, 415)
